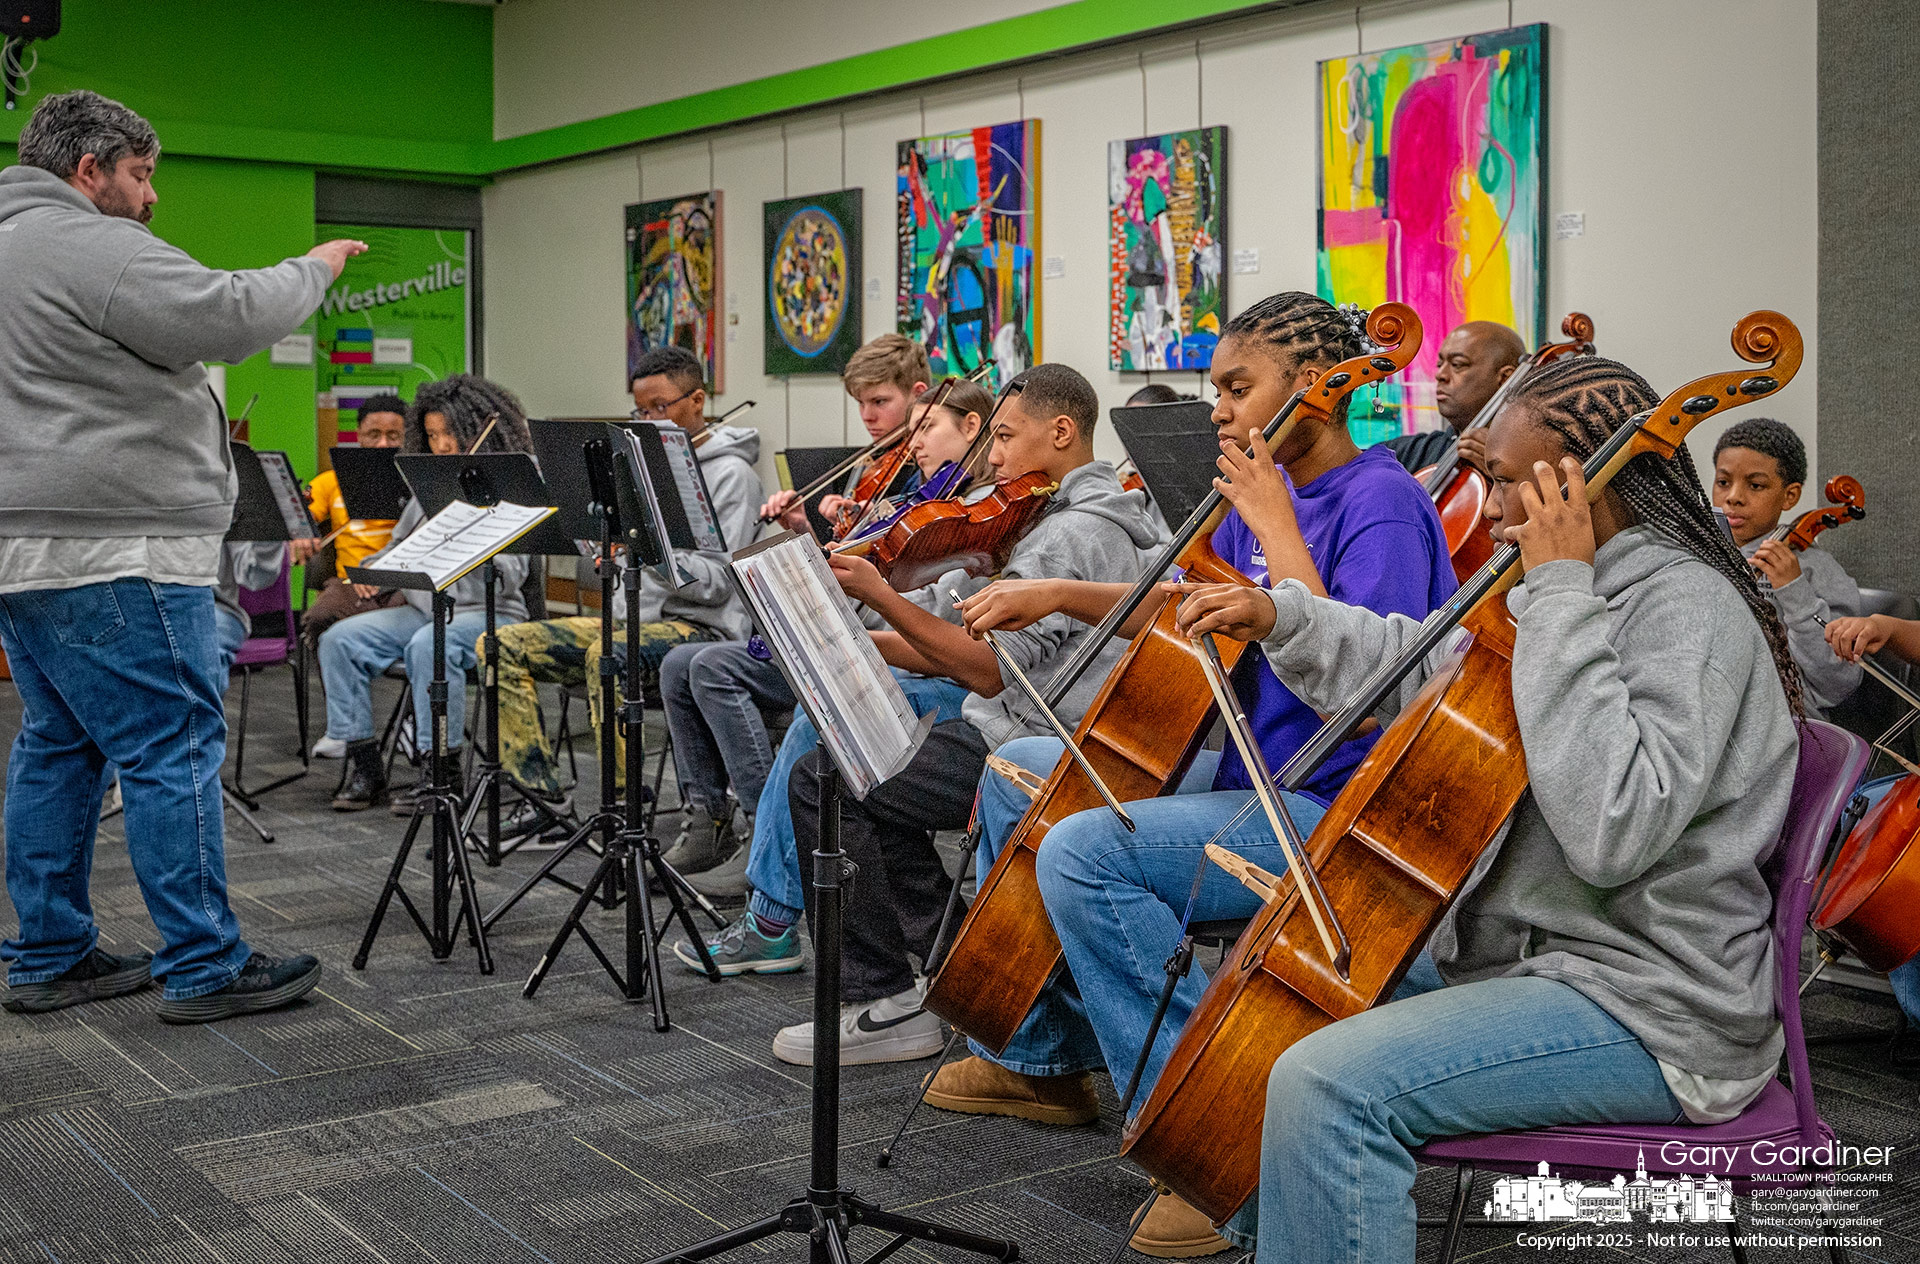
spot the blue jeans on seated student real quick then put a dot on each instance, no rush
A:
(118, 673)
(229, 635)
(1904, 979)
(1343, 1105)
(354, 651)
(1115, 899)
(773, 865)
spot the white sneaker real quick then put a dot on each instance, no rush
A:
(329, 748)
(892, 1030)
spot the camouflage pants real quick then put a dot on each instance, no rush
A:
(566, 652)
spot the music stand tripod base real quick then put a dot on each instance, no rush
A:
(826, 1212)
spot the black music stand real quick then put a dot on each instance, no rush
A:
(270, 507)
(623, 497)
(370, 484)
(800, 466)
(827, 1210)
(487, 479)
(1175, 447)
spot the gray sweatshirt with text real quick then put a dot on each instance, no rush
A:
(107, 428)
(1660, 751)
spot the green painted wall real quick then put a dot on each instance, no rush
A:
(389, 84)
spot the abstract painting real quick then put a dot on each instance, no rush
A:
(1166, 234)
(969, 224)
(813, 283)
(673, 279)
(1432, 175)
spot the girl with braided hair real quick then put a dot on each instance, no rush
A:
(447, 418)
(1611, 958)
(1316, 509)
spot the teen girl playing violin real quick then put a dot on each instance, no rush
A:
(1610, 960)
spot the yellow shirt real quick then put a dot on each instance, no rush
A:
(357, 543)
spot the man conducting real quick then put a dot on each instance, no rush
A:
(116, 486)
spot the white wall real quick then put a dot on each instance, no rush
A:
(560, 61)
(1696, 173)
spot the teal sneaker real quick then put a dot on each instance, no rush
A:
(742, 949)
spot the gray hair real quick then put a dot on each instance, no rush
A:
(69, 125)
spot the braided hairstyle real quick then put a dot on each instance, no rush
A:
(1303, 329)
(1584, 400)
(468, 402)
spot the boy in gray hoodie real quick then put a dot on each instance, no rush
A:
(1610, 958)
(1093, 531)
(667, 389)
(116, 488)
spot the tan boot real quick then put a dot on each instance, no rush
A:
(975, 1086)
(1176, 1230)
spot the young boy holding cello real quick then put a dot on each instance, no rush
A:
(1610, 958)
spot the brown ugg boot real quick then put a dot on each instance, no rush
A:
(1176, 1230)
(975, 1086)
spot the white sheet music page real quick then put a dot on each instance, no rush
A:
(459, 538)
(812, 628)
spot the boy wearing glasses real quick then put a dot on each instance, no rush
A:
(667, 388)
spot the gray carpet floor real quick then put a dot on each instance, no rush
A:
(419, 1111)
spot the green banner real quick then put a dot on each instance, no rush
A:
(398, 316)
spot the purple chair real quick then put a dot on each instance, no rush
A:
(1831, 761)
(275, 642)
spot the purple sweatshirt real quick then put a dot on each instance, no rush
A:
(1376, 540)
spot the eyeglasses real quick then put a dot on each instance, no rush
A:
(656, 412)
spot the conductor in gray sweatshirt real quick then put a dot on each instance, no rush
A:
(1610, 958)
(116, 488)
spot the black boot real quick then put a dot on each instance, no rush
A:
(363, 782)
(451, 772)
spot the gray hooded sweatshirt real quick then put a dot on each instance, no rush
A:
(727, 459)
(107, 428)
(1093, 531)
(1823, 591)
(1660, 751)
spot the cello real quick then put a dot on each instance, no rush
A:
(1140, 733)
(1399, 840)
(1459, 491)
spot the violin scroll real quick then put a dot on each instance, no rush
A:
(1849, 504)
(1845, 490)
(1578, 328)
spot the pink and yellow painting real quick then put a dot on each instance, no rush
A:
(1432, 193)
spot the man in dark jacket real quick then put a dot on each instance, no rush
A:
(116, 488)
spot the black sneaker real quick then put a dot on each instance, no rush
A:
(264, 983)
(95, 977)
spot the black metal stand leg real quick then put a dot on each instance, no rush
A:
(435, 807)
(1457, 1214)
(827, 1210)
(1133, 1227)
(240, 808)
(1177, 966)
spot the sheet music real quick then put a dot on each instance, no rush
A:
(669, 569)
(286, 495)
(693, 490)
(855, 702)
(459, 538)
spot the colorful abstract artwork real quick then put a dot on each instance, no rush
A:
(1432, 175)
(673, 279)
(969, 224)
(1166, 229)
(813, 283)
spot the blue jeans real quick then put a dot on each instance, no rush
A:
(1344, 1104)
(1904, 979)
(1115, 899)
(122, 673)
(355, 650)
(773, 863)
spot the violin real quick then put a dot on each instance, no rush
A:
(1398, 842)
(1459, 491)
(927, 540)
(1140, 734)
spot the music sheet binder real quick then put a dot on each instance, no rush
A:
(270, 506)
(485, 478)
(652, 493)
(370, 483)
(449, 545)
(1174, 446)
(829, 659)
